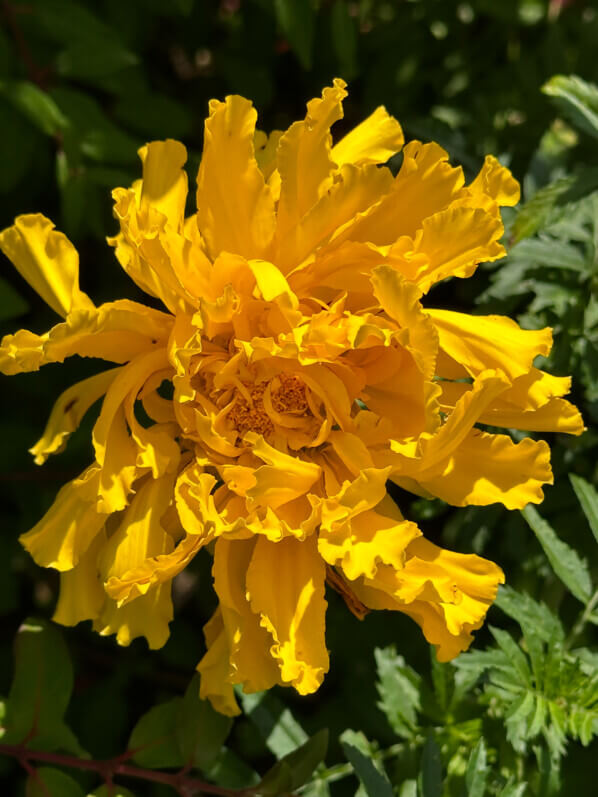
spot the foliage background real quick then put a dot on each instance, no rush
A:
(82, 86)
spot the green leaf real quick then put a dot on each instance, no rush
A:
(229, 771)
(296, 19)
(279, 729)
(531, 615)
(200, 730)
(296, 767)
(431, 769)
(409, 789)
(535, 214)
(37, 105)
(344, 39)
(513, 790)
(588, 498)
(19, 140)
(116, 791)
(65, 21)
(514, 654)
(91, 133)
(49, 782)
(568, 566)
(153, 115)
(11, 304)
(92, 59)
(154, 737)
(41, 689)
(398, 686)
(443, 680)
(372, 775)
(545, 251)
(576, 99)
(477, 771)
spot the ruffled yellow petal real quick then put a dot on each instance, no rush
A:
(361, 544)
(121, 454)
(355, 189)
(81, 595)
(430, 454)
(164, 184)
(487, 469)
(450, 243)
(446, 593)
(153, 571)
(425, 184)
(47, 260)
(139, 537)
(283, 478)
(374, 140)
(557, 415)
(195, 503)
(249, 643)
(214, 669)
(265, 154)
(235, 209)
(492, 341)
(285, 582)
(304, 159)
(67, 529)
(117, 332)
(496, 182)
(68, 411)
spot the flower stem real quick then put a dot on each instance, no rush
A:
(107, 769)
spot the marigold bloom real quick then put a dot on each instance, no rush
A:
(304, 373)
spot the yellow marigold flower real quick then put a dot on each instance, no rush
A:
(304, 373)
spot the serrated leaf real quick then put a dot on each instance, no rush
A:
(154, 737)
(536, 212)
(296, 767)
(41, 689)
(588, 498)
(431, 769)
(398, 687)
(530, 614)
(200, 729)
(50, 782)
(296, 19)
(576, 99)
(514, 654)
(373, 777)
(279, 729)
(568, 566)
(477, 771)
(516, 720)
(545, 251)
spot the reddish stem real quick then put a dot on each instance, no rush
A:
(109, 768)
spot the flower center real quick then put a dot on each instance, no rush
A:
(256, 408)
(250, 415)
(289, 394)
